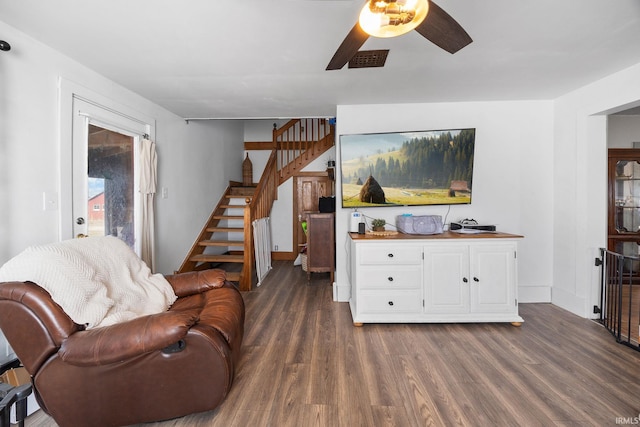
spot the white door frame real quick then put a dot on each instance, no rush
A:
(70, 95)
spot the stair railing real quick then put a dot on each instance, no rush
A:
(258, 207)
(299, 141)
(266, 191)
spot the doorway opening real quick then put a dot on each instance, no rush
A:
(309, 187)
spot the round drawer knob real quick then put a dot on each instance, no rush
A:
(465, 280)
(475, 279)
(390, 255)
(390, 279)
(390, 302)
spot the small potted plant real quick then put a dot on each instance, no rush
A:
(378, 224)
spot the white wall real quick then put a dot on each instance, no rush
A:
(261, 130)
(194, 159)
(580, 208)
(512, 183)
(623, 131)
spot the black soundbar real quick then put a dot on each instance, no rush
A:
(458, 226)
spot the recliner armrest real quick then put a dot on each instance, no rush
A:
(122, 341)
(195, 282)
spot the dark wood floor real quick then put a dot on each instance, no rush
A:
(305, 364)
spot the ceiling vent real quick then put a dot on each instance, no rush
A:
(369, 59)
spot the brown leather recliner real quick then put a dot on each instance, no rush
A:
(151, 368)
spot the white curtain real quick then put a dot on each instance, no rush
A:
(148, 170)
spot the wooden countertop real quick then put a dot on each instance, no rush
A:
(448, 235)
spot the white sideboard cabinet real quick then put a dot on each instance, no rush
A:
(443, 278)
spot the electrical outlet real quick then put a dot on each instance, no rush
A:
(275, 248)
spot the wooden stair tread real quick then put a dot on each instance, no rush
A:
(217, 258)
(221, 243)
(226, 229)
(242, 191)
(241, 217)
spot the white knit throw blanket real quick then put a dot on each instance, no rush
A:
(98, 281)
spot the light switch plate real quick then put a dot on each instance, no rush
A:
(49, 201)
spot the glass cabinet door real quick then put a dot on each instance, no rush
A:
(623, 217)
(627, 196)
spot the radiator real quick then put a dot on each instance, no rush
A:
(262, 244)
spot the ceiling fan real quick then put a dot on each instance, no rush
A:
(390, 18)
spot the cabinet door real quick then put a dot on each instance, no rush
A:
(493, 278)
(446, 281)
(320, 242)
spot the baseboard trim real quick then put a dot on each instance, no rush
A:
(284, 256)
(534, 294)
(341, 293)
(569, 302)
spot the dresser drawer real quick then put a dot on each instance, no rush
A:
(390, 255)
(390, 277)
(390, 302)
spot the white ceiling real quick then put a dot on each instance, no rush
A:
(267, 58)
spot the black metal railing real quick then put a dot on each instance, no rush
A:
(620, 296)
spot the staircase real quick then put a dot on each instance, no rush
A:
(299, 142)
(295, 145)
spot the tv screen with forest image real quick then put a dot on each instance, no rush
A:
(418, 168)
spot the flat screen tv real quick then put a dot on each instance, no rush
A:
(433, 167)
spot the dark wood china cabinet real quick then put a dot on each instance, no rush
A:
(624, 201)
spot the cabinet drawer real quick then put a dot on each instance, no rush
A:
(390, 255)
(409, 277)
(390, 302)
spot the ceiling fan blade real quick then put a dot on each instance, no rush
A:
(349, 47)
(442, 30)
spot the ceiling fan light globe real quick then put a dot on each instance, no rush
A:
(381, 18)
